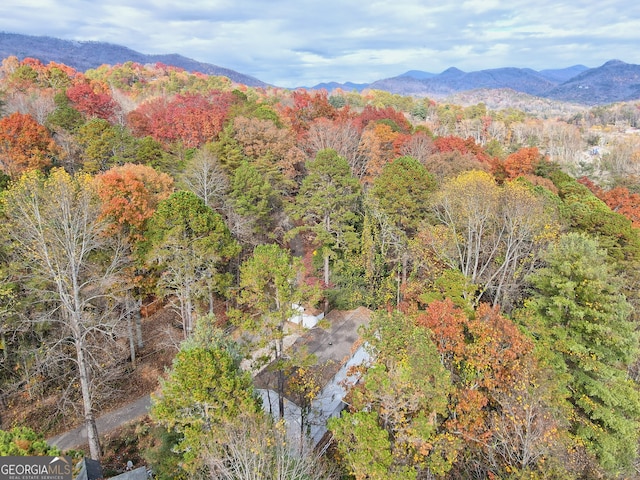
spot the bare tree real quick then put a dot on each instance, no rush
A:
(39, 105)
(527, 133)
(622, 157)
(255, 448)
(124, 104)
(498, 130)
(492, 234)
(563, 142)
(343, 137)
(70, 152)
(205, 177)
(471, 128)
(523, 429)
(71, 267)
(420, 146)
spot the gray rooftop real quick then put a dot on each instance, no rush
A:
(139, 473)
(335, 343)
(333, 346)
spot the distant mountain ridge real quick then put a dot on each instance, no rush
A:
(454, 80)
(87, 55)
(329, 86)
(614, 81)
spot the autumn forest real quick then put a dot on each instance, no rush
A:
(498, 250)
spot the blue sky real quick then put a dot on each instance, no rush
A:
(303, 42)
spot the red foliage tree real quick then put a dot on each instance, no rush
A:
(191, 118)
(457, 144)
(163, 67)
(595, 189)
(24, 145)
(308, 107)
(88, 99)
(451, 144)
(393, 118)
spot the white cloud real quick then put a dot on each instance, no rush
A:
(292, 43)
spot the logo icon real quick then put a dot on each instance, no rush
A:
(35, 468)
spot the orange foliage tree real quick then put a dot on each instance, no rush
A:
(523, 162)
(130, 194)
(377, 148)
(619, 199)
(489, 359)
(30, 72)
(24, 145)
(270, 146)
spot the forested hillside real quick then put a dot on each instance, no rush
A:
(84, 55)
(498, 251)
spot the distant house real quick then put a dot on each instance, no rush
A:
(337, 348)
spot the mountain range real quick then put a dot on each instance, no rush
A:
(614, 81)
(87, 55)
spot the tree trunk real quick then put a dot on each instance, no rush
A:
(405, 267)
(5, 347)
(269, 401)
(211, 303)
(138, 318)
(279, 349)
(326, 269)
(188, 320)
(303, 424)
(89, 419)
(132, 342)
(281, 392)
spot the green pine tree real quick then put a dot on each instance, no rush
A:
(327, 205)
(584, 321)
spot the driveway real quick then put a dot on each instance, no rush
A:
(106, 423)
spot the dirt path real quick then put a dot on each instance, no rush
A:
(106, 423)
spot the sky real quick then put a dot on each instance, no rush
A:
(292, 43)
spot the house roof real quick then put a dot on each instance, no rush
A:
(333, 345)
(139, 473)
(89, 469)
